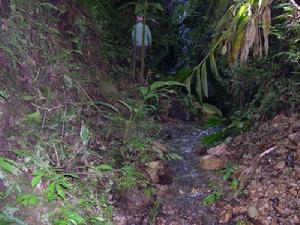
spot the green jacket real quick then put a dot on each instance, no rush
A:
(137, 35)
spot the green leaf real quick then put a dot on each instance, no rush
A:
(234, 184)
(140, 8)
(3, 94)
(188, 86)
(60, 191)
(28, 199)
(54, 31)
(51, 191)
(130, 108)
(5, 221)
(71, 175)
(183, 74)
(36, 180)
(33, 118)
(211, 110)
(98, 219)
(204, 79)
(144, 91)
(153, 95)
(198, 85)
(156, 6)
(213, 67)
(228, 171)
(27, 98)
(7, 165)
(212, 198)
(160, 84)
(84, 134)
(48, 5)
(74, 217)
(104, 167)
(37, 177)
(78, 52)
(173, 156)
(108, 105)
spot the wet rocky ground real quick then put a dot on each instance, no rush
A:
(182, 201)
(266, 172)
(180, 185)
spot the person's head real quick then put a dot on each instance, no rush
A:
(139, 18)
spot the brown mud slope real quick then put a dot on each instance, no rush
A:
(269, 174)
(48, 61)
(51, 64)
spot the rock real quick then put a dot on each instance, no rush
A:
(137, 200)
(155, 169)
(159, 173)
(280, 165)
(295, 219)
(295, 138)
(219, 150)
(296, 126)
(211, 162)
(160, 146)
(252, 212)
(211, 110)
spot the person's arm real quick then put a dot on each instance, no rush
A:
(149, 36)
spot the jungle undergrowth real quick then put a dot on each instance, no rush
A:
(54, 140)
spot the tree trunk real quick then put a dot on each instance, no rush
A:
(143, 45)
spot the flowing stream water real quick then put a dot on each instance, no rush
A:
(182, 201)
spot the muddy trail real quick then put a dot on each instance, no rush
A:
(182, 186)
(182, 201)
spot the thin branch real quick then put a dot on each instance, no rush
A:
(47, 109)
(86, 94)
(295, 4)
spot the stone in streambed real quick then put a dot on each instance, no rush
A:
(158, 173)
(211, 162)
(219, 150)
(154, 169)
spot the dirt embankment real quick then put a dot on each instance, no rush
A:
(51, 66)
(50, 56)
(269, 174)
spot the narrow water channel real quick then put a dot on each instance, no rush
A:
(182, 201)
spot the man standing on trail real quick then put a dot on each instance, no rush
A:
(137, 40)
